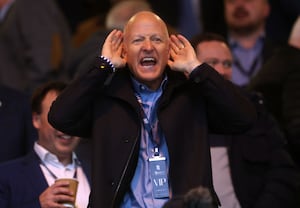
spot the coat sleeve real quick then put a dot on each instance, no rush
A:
(71, 112)
(228, 110)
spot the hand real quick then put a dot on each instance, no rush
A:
(294, 39)
(112, 48)
(55, 194)
(183, 55)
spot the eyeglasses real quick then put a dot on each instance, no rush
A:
(213, 62)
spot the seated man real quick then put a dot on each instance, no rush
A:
(30, 181)
(252, 169)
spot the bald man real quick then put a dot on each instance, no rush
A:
(148, 104)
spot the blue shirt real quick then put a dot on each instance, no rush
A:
(140, 194)
(250, 61)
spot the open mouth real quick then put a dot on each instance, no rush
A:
(148, 61)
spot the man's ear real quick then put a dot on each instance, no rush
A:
(36, 120)
(124, 54)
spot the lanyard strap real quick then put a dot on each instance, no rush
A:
(252, 68)
(151, 129)
(51, 173)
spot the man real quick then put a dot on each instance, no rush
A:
(116, 18)
(17, 131)
(35, 44)
(30, 181)
(148, 120)
(252, 169)
(278, 81)
(245, 20)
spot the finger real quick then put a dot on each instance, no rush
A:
(116, 37)
(64, 198)
(111, 35)
(183, 41)
(178, 43)
(174, 47)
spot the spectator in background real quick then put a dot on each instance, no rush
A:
(246, 22)
(34, 44)
(190, 17)
(253, 169)
(84, 56)
(16, 129)
(279, 82)
(29, 181)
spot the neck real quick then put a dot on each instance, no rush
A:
(65, 160)
(153, 84)
(247, 39)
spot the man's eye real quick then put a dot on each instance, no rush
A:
(227, 64)
(137, 40)
(212, 62)
(156, 39)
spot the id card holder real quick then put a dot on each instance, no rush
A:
(159, 177)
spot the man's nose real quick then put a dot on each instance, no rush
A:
(148, 45)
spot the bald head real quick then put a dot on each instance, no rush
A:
(145, 18)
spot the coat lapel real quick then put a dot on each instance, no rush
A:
(33, 172)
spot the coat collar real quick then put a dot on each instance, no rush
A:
(121, 86)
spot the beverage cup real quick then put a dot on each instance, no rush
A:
(73, 186)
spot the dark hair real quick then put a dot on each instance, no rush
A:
(199, 197)
(207, 37)
(40, 93)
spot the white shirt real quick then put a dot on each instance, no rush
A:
(61, 171)
(222, 178)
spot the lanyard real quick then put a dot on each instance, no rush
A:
(52, 174)
(151, 129)
(251, 70)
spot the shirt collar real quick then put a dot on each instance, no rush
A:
(48, 157)
(141, 88)
(234, 43)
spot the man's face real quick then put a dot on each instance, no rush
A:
(54, 141)
(245, 15)
(218, 55)
(146, 49)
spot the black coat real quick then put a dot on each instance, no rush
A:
(110, 114)
(278, 81)
(262, 170)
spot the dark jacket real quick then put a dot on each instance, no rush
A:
(17, 132)
(262, 171)
(278, 81)
(108, 111)
(22, 181)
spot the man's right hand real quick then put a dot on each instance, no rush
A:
(112, 48)
(55, 194)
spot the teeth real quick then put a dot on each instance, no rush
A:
(65, 137)
(148, 59)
